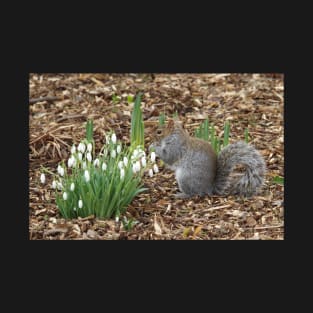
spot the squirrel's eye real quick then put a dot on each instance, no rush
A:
(159, 132)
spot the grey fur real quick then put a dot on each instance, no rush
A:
(198, 172)
(239, 153)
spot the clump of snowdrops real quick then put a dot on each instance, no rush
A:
(101, 184)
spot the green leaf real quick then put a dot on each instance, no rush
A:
(89, 130)
(226, 133)
(246, 135)
(278, 180)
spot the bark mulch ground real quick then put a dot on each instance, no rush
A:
(60, 105)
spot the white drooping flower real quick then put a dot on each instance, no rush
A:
(155, 168)
(122, 173)
(107, 139)
(74, 209)
(137, 166)
(72, 186)
(135, 153)
(87, 176)
(113, 154)
(54, 184)
(118, 149)
(89, 147)
(117, 218)
(59, 168)
(61, 171)
(80, 204)
(64, 195)
(80, 156)
(59, 185)
(150, 172)
(153, 156)
(42, 178)
(89, 157)
(81, 147)
(134, 168)
(70, 162)
(120, 164)
(104, 166)
(113, 138)
(143, 161)
(73, 149)
(96, 162)
(84, 165)
(125, 160)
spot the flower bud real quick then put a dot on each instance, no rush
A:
(122, 173)
(72, 186)
(89, 147)
(120, 164)
(137, 166)
(54, 184)
(81, 147)
(65, 196)
(80, 204)
(125, 160)
(118, 149)
(96, 162)
(104, 166)
(113, 138)
(143, 161)
(80, 156)
(70, 162)
(150, 172)
(73, 149)
(89, 157)
(153, 156)
(155, 168)
(61, 171)
(42, 178)
(87, 176)
(113, 154)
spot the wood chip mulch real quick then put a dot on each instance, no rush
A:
(60, 105)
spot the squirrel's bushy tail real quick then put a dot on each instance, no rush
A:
(239, 153)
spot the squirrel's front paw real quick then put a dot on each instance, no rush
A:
(181, 195)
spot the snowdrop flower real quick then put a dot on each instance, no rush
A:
(61, 171)
(153, 156)
(113, 154)
(74, 209)
(84, 165)
(59, 185)
(134, 168)
(59, 168)
(138, 166)
(118, 149)
(150, 172)
(89, 147)
(125, 160)
(80, 156)
(89, 157)
(72, 186)
(143, 161)
(155, 168)
(120, 164)
(113, 138)
(122, 173)
(107, 139)
(65, 196)
(80, 204)
(54, 184)
(96, 162)
(73, 149)
(135, 153)
(117, 218)
(42, 178)
(70, 161)
(105, 152)
(87, 176)
(104, 166)
(81, 147)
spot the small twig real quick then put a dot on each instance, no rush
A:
(265, 227)
(53, 98)
(218, 207)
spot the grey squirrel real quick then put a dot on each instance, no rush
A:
(199, 171)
